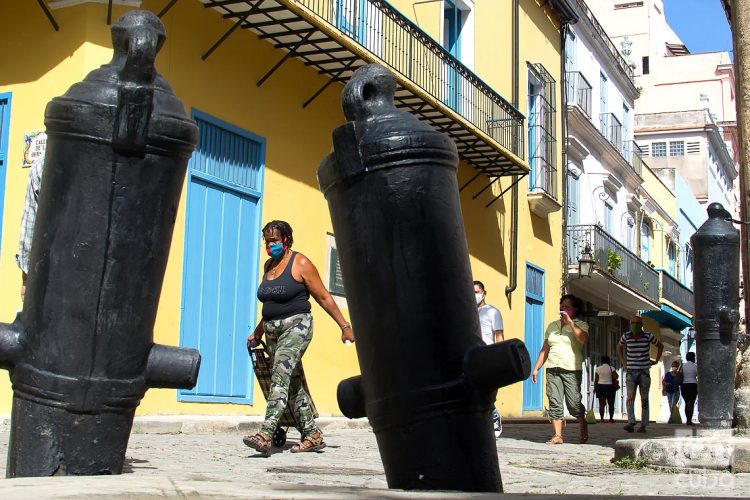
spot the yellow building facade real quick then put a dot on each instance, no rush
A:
(238, 70)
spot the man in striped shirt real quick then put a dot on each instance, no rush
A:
(637, 362)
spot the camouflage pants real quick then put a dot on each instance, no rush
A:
(287, 340)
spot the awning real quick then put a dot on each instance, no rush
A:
(670, 317)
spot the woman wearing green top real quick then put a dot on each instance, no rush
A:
(564, 341)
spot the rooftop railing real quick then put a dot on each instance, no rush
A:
(619, 59)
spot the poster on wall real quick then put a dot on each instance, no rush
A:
(34, 144)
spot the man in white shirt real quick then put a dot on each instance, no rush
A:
(491, 322)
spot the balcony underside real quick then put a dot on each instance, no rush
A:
(300, 33)
(606, 293)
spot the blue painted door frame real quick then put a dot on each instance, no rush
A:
(5, 101)
(452, 20)
(351, 18)
(222, 251)
(534, 335)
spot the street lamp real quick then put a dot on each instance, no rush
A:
(586, 262)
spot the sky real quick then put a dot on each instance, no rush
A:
(701, 24)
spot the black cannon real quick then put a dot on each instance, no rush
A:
(716, 245)
(428, 382)
(81, 353)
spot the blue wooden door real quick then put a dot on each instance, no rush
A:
(534, 334)
(222, 245)
(4, 126)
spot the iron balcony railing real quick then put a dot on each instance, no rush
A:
(543, 176)
(613, 258)
(385, 32)
(677, 293)
(611, 129)
(619, 59)
(579, 91)
(633, 154)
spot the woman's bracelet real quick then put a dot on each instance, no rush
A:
(345, 326)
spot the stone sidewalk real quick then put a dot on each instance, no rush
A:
(203, 465)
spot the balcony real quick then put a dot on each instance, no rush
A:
(336, 37)
(579, 91)
(633, 154)
(676, 293)
(619, 273)
(611, 128)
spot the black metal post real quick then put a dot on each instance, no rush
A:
(393, 195)
(81, 354)
(716, 293)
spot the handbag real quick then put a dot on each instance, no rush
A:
(615, 381)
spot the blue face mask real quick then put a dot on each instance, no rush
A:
(276, 250)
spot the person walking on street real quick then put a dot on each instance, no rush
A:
(636, 360)
(689, 386)
(491, 322)
(670, 385)
(563, 345)
(288, 281)
(605, 378)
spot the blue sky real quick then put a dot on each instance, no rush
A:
(701, 24)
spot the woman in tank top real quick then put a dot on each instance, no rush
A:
(605, 378)
(288, 281)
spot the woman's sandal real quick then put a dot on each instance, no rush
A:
(556, 439)
(260, 442)
(311, 442)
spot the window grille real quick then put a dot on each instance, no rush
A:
(677, 148)
(693, 148)
(542, 130)
(658, 149)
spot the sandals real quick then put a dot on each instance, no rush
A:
(260, 442)
(584, 434)
(311, 442)
(556, 439)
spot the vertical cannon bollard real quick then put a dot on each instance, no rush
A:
(716, 291)
(81, 354)
(428, 382)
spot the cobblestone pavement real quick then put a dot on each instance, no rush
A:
(351, 460)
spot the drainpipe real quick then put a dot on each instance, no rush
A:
(513, 275)
(564, 132)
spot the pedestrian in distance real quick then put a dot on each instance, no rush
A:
(689, 387)
(28, 219)
(491, 322)
(606, 385)
(562, 350)
(289, 279)
(670, 386)
(634, 351)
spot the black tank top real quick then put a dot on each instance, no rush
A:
(284, 296)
